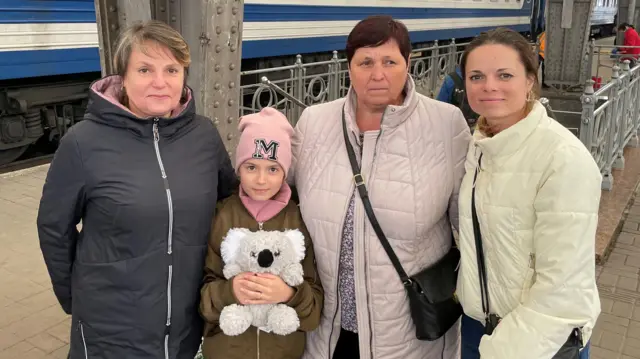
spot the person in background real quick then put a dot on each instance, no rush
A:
(542, 43)
(142, 172)
(528, 214)
(631, 38)
(263, 158)
(453, 92)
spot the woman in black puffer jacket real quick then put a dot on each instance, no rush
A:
(143, 173)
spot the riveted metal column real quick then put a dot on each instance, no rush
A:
(190, 19)
(567, 33)
(220, 52)
(111, 17)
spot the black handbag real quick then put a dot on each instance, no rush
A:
(573, 345)
(434, 308)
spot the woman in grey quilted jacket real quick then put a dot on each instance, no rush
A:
(411, 151)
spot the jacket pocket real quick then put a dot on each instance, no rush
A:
(529, 278)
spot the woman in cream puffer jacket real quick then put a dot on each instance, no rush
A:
(537, 195)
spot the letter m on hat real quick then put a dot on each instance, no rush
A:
(270, 150)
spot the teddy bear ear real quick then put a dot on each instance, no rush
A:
(231, 244)
(297, 242)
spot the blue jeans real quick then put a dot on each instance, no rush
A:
(471, 333)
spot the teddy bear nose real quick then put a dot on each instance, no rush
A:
(265, 258)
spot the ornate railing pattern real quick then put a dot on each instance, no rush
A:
(611, 119)
(291, 88)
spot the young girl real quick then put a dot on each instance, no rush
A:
(263, 158)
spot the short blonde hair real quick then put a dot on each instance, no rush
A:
(156, 31)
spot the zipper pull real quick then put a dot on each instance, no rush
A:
(532, 260)
(478, 168)
(156, 136)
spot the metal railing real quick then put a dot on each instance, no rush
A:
(291, 88)
(611, 118)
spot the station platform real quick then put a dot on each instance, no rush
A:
(32, 324)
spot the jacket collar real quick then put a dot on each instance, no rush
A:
(393, 115)
(510, 140)
(105, 108)
(263, 211)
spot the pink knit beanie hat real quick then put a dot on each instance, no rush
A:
(265, 135)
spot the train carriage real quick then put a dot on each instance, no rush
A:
(49, 48)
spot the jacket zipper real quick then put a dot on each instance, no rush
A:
(84, 341)
(260, 226)
(366, 262)
(156, 140)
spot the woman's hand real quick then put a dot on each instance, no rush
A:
(263, 288)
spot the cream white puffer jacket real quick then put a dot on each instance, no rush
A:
(412, 168)
(537, 199)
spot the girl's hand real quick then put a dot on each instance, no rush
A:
(263, 288)
(240, 288)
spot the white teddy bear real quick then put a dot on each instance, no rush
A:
(275, 252)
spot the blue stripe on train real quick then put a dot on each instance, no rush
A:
(22, 64)
(260, 13)
(31, 11)
(269, 48)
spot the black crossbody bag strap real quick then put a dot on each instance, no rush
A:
(482, 268)
(364, 195)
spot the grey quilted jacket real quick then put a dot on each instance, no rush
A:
(413, 168)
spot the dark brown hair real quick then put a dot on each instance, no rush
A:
(376, 30)
(512, 39)
(624, 26)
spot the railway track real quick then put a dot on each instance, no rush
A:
(27, 163)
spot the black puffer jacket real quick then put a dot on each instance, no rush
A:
(131, 276)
